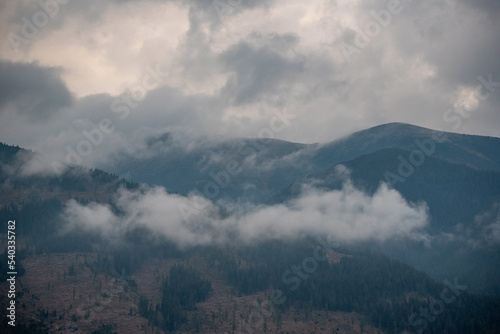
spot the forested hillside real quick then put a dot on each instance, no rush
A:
(74, 278)
(456, 196)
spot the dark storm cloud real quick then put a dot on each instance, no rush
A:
(490, 6)
(35, 92)
(257, 72)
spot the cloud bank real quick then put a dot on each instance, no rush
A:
(346, 215)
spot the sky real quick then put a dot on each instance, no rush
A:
(121, 71)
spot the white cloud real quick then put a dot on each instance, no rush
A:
(346, 215)
(154, 209)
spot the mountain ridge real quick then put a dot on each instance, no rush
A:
(269, 165)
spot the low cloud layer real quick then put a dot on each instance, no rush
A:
(346, 215)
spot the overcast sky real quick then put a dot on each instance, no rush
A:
(225, 68)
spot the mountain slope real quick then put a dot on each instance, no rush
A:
(475, 151)
(463, 207)
(261, 168)
(76, 182)
(454, 193)
(339, 290)
(237, 288)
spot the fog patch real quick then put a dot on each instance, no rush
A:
(345, 215)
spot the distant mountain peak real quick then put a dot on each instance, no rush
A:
(397, 128)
